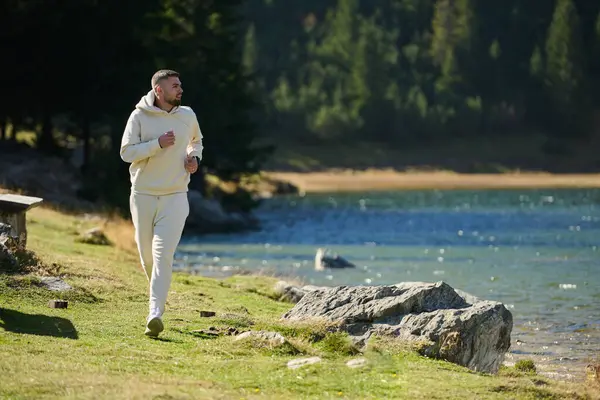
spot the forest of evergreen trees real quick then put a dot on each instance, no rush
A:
(311, 71)
(414, 70)
(74, 70)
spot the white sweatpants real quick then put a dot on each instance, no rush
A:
(158, 222)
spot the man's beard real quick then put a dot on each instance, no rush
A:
(174, 102)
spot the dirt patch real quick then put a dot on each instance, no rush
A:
(348, 180)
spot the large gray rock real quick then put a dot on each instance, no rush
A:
(288, 292)
(448, 324)
(291, 293)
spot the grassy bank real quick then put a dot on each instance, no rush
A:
(96, 348)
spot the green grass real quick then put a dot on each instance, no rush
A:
(96, 348)
(525, 366)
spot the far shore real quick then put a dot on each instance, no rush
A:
(380, 180)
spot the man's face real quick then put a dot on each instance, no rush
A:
(170, 91)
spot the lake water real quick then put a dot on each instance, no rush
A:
(534, 250)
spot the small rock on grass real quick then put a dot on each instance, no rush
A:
(55, 284)
(207, 314)
(301, 362)
(357, 363)
(214, 332)
(94, 236)
(274, 338)
(58, 304)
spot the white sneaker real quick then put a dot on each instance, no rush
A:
(154, 327)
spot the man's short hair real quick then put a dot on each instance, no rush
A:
(162, 75)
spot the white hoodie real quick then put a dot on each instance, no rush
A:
(154, 170)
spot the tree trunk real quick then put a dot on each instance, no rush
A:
(86, 133)
(15, 124)
(46, 139)
(3, 127)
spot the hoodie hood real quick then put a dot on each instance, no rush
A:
(146, 104)
(154, 170)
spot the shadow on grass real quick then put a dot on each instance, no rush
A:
(36, 324)
(164, 339)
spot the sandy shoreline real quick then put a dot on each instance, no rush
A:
(345, 181)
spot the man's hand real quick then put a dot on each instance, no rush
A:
(166, 139)
(191, 164)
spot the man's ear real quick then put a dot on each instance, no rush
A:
(157, 89)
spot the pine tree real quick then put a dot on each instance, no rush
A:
(250, 51)
(564, 72)
(372, 75)
(326, 82)
(595, 60)
(452, 26)
(536, 63)
(563, 54)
